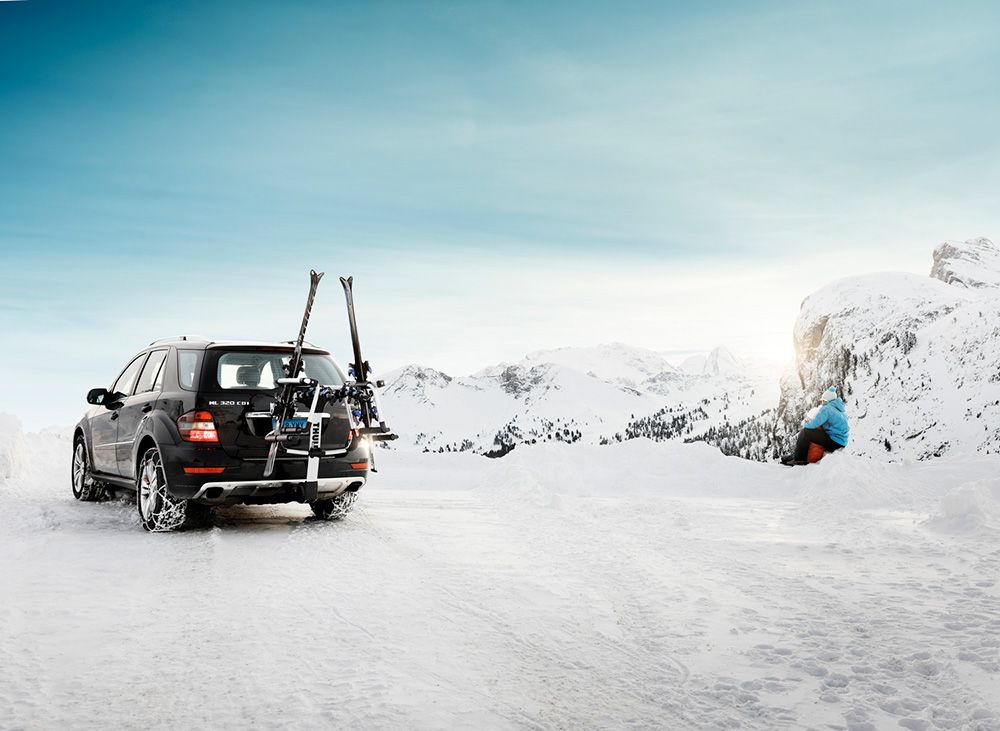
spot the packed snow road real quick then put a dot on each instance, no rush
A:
(641, 586)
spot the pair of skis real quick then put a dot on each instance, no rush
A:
(360, 395)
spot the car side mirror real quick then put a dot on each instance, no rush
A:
(97, 396)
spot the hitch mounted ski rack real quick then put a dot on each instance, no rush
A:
(360, 398)
(310, 424)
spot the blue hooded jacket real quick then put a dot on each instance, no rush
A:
(832, 418)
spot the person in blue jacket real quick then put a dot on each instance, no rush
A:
(828, 428)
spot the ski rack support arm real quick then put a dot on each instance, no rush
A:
(362, 392)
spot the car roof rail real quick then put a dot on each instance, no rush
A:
(199, 338)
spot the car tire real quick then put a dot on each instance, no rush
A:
(85, 487)
(334, 508)
(159, 511)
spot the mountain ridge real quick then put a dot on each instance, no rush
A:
(915, 358)
(564, 394)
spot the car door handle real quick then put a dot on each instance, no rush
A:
(114, 415)
(147, 408)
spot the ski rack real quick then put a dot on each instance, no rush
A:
(366, 393)
(314, 420)
(360, 398)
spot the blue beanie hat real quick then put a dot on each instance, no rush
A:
(829, 394)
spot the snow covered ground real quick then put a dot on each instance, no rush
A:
(640, 585)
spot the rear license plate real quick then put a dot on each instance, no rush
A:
(295, 425)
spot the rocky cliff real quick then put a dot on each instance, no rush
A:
(916, 358)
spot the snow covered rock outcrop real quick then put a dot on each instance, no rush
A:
(917, 359)
(974, 263)
(420, 381)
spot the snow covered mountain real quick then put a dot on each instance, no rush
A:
(605, 393)
(615, 362)
(917, 357)
(719, 362)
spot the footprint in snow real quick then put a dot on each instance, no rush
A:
(836, 680)
(917, 724)
(811, 668)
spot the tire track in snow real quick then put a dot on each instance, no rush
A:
(643, 654)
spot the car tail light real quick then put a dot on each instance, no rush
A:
(204, 470)
(197, 426)
(359, 465)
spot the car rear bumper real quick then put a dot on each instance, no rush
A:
(243, 481)
(270, 490)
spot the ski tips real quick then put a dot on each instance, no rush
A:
(314, 277)
(347, 281)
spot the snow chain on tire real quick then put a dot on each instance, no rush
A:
(334, 508)
(159, 512)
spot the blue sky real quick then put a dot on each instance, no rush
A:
(499, 177)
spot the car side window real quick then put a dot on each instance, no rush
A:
(188, 367)
(126, 380)
(158, 383)
(151, 372)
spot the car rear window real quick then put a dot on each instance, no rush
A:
(246, 370)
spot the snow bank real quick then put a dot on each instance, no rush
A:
(841, 483)
(972, 509)
(848, 481)
(13, 459)
(955, 494)
(40, 456)
(644, 467)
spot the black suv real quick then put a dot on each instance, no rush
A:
(183, 426)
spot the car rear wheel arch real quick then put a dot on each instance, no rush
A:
(159, 511)
(145, 443)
